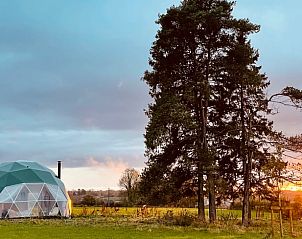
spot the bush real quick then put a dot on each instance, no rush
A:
(88, 200)
(184, 218)
(236, 206)
(228, 218)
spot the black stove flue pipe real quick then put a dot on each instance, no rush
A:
(59, 168)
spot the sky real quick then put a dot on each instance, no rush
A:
(70, 79)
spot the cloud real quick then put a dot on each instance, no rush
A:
(70, 74)
(67, 67)
(117, 165)
(95, 173)
(73, 147)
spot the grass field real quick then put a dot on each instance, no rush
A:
(126, 223)
(151, 212)
(91, 228)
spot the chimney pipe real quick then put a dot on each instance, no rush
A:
(59, 168)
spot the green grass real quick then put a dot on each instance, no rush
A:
(127, 223)
(95, 228)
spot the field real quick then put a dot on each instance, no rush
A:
(90, 228)
(111, 223)
(150, 212)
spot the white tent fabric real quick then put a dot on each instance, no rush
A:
(33, 200)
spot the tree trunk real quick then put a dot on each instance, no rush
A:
(246, 208)
(210, 160)
(246, 196)
(212, 201)
(201, 209)
(244, 157)
(201, 158)
(209, 163)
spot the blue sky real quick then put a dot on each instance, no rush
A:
(70, 85)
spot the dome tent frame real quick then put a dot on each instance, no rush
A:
(28, 189)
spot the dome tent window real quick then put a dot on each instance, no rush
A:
(28, 189)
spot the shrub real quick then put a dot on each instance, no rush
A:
(228, 218)
(184, 218)
(88, 200)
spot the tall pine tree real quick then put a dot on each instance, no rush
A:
(208, 112)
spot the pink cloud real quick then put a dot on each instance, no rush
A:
(117, 165)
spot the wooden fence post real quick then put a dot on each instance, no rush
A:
(291, 222)
(272, 221)
(281, 223)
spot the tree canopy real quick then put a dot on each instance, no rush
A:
(129, 181)
(208, 129)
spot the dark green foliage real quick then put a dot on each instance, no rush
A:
(208, 123)
(88, 200)
(293, 94)
(184, 219)
(186, 61)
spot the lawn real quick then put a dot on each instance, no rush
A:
(91, 228)
(130, 223)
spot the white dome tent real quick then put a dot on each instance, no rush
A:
(28, 189)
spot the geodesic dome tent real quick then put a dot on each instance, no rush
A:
(28, 189)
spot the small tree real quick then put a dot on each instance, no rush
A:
(88, 200)
(129, 181)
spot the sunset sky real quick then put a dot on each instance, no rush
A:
(70, 85)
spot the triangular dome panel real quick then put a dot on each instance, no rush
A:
(5, 207)
(36, 211)
(61, 196)
(23, 195)
(62, 206)
(16, 166)
(13, 190)
(35, 189)
(47, 206)
(55, 211)
(5, 197)
(53, 189)
(45, 194)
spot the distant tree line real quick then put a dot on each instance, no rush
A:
(82, 197)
